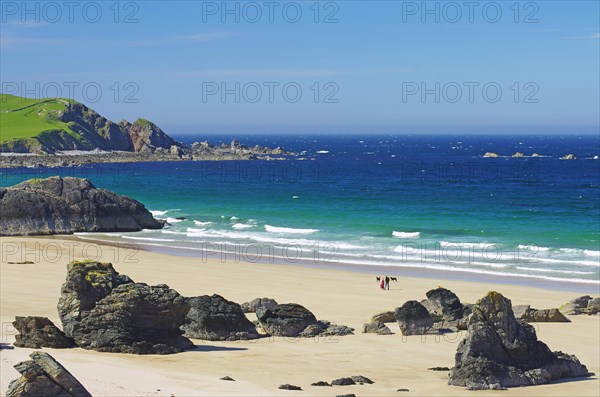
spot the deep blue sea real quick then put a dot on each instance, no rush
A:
(426, 202)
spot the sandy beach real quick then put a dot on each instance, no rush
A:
(259, 367)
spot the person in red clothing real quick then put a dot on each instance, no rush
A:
(382, 283)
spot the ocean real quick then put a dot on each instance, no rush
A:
(398, 202)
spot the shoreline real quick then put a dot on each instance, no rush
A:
(565, 285)
(259, 367)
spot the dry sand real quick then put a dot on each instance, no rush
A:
(259, 367)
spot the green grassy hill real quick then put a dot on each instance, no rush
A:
(27, 118)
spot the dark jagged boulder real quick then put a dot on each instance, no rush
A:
(67, 205)
(287, 319)
(216, 318)
(87, 283)
(413, 319)
(321, 383)
(443, 303)
(499, 351)
(527, 313)
(291, 319)
(376, 327)
(43, 376)
(361, 380)
(135, 318)
(343, 382)
(37, 332)
(250, 307)
(287, 386)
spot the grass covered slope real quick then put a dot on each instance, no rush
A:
(50, 125)
(22, 119)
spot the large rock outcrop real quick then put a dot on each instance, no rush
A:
(135, 318)
(443, 303)
(216, 318)
(37, 332)
(286, 319)
(146, 136)
(86, 284)
(59, 205)
(106, 311)
(499, 351)
(413, 318)
(43, 376)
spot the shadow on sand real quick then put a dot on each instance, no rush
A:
(209, 348)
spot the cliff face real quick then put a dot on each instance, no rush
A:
(145, 136)
(67, 205)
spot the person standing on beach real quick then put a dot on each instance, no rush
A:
(387, 282)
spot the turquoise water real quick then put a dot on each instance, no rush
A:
(428, 202)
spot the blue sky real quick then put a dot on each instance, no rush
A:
(361, 66)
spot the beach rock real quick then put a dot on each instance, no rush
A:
(376, 327)
(439, 369)
(525, 312)
(135, 318)
(443, 303)
(215, 318)
(361, 379)
(321, 383)
(593, 306)
(384, 317)
(87, 283)
(67, 205)
(287, 386)
(228, 378)
(491, 155)
(403, 390)
(287, 319)
(250, 307)
(43, 376)
(413, 318)
(343, 382)
(499, 351)
(576, 306)
(37, 332)
(346, 395)
(336, 330)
